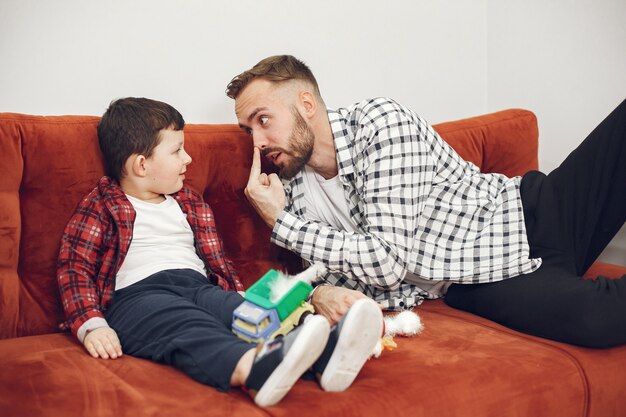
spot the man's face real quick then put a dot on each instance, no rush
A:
(276, 127)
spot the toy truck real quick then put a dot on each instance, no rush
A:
(258, 319)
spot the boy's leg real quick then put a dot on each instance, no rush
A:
(218, 302)
(158, 319)
(155, 320)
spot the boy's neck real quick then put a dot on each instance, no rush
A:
(159, 198)
(130, 189)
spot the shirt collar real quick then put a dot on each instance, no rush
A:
(343, 143)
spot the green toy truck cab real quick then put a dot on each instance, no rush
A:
(258, 318)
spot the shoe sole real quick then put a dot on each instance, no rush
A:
(360, 332)
(304, 351)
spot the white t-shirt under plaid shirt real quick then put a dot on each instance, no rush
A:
(419, 208)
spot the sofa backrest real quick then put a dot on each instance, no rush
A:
(48, 164)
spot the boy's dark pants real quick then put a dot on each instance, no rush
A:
(179, 318)
(570, 215)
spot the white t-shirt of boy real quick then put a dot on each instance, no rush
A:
(162, 239)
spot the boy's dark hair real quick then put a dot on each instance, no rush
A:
(131, 126)
(277, 68)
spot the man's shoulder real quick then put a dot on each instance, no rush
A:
(374, 111)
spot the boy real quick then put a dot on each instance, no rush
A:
(141, 266)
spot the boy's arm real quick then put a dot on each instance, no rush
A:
(80, 258)
(103, 343)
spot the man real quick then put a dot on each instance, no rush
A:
(374, 193)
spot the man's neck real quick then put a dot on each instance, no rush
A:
(324, 158)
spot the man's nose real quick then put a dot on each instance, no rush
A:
(259, 140)
(187, 158)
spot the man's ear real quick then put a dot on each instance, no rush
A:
(137, 165)
(309, 103)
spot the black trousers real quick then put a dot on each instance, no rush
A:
(571, 215)
(177, 317)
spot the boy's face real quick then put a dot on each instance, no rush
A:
(168, 163)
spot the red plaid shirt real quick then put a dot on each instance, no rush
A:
(96, 241)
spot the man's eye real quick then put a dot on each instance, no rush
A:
(263, 119)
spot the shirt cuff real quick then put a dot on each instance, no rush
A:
(309, 299)
(91, 324)
(286, 229)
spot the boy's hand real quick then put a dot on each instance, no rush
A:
(333, 302)
(103, 343)
(265, 192)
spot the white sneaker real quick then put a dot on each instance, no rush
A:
(279, 363)
(349, 346)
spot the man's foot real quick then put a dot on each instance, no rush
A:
(280, 362)
(349, 346)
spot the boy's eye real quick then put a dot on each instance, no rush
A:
(263, 120)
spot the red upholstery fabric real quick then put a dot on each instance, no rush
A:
(460, 365)
(504, 142)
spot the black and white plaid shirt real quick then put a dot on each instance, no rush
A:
(420, 209)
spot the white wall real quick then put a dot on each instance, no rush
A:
(566, 61)
(75, 56)
(446, 59)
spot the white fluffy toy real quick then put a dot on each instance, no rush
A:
(283, 283)
(406, 323)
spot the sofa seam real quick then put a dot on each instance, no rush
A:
(89, 119)
(529, 114)
(47, 119)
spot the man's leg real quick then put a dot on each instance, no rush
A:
(552, 302)
(585, 197)
(571, 215)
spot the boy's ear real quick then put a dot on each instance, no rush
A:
(137, 165)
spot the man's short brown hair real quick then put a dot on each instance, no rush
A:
(277, 68)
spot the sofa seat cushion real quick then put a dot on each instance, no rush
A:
(489, 370)
(53, 375)
(602, 371)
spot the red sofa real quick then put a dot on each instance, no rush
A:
(460, 365)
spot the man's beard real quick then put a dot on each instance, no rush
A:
(300, 144)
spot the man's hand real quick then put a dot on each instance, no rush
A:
(265, 192)
(103, 343)
(334, 302)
